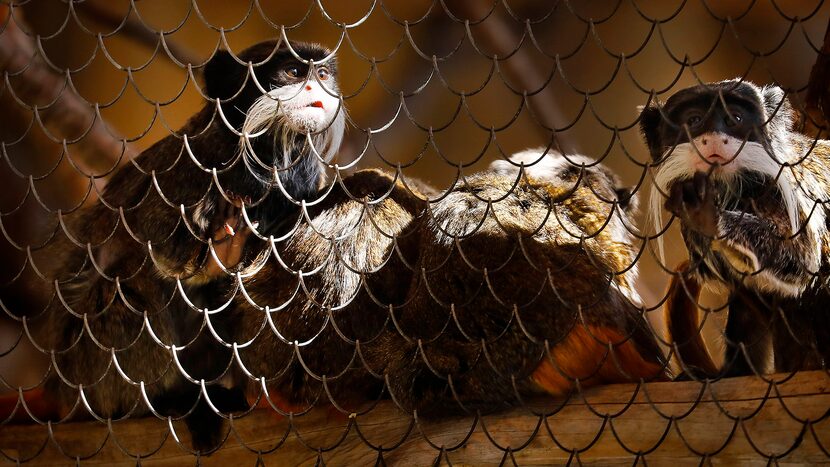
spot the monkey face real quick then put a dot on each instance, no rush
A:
(294, 87)
(730, 130)
(281, 100)
(718, 128)
(733, 133)
(302, 96)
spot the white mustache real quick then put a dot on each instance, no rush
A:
(681, 163)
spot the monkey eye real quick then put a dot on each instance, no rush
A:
(292, 71)
(694, 120)
(323, 73)
(733, 119)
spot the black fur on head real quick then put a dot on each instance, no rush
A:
(763, 115)
(281, 119)
(228, 80)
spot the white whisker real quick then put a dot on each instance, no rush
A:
(685, 160)
(285, 111)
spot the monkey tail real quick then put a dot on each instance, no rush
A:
(584, 354)
(12, 409)
(683, 324)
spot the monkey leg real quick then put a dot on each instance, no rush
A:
(106, 326)
(801, 330)
(207, 428)
(107, 392)
(681, 314)
(584, 354)
(792, 350)
(798, 331)
(120, 327)
(205, 359)
(748, 336)
(822, 330)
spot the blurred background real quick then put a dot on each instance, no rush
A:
(431, 86)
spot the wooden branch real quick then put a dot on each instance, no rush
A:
(521, 69)
(769, 426)
(67, 115)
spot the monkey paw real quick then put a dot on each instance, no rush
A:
(229, 234)
(694, 203)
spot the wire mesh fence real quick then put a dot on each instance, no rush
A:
(403, 232)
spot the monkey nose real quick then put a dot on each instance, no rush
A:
(308, 87)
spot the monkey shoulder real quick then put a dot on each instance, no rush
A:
(546, 223)
(358, 222)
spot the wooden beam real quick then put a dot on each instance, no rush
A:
(735, 421)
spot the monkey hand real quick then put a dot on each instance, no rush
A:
(694, 203)
(229, 238)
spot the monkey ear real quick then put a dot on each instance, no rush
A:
(650, 121)
(627, 199)
(223, 75)
(777, 107)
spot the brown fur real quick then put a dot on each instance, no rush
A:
(123, 259)
(738, 229)
(542, 263)
(369, 244)
(446, 325)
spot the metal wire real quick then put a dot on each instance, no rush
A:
(511, 40)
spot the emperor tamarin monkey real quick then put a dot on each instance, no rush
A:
(134, 270)
(750, 194)
(513, 283)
